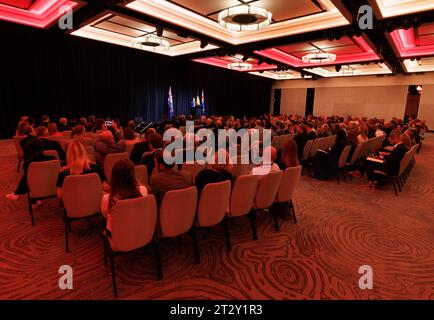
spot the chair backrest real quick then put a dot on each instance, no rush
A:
(82, 195)
(110, 161)
(177, 211)
(241, 165)
(306, 150)
(193, 168)
(52, 153)
(243, 195)
(356, 154)
(268, 187)
(213, 203)
(42, 178)
(18, 148)
(288, 183)
(133, 223)
(344, 155)
(314, 148)
(67, 134)
(56, 138)
(141, 173)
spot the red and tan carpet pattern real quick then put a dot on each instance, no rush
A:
(340, 228)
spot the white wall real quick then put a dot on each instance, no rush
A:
(426, 106)
(381, 102)
(383, 97)
(293, 101)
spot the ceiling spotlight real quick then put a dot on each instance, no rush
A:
(203, 43)
(245, 58)
(338, 68)
(159, 30)
(260, 61)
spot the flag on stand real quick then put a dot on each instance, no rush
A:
(197, 101)
(170, 103)
(203, 103)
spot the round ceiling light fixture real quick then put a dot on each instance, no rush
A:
(320, 57)
(240, 66)
(150, 43)
(244, 18)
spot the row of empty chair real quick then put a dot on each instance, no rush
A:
(278, 141)
(134, 221)
(312, 146)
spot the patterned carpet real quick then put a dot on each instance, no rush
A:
(340, 227)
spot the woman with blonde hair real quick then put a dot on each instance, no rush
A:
(77, 163)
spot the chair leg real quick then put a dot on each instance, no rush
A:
(293, 211)
(227, 234)
(252, 216)
(275, 218)
(29, 200)
(113, 268)
(66, 235)
(157, 254)
(195, 245)
(399, 185)
(394, 187)
(105, 250)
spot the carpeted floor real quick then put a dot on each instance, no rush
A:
(340, 227)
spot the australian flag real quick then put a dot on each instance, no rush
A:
(202, 103)
(170, 102)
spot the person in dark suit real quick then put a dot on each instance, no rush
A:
(300, 139)
(167, 178)
(155, 144)
(34, 154)
(141, 147)
(312, 135)
(41, 134)
(379, 172)
(29, 135)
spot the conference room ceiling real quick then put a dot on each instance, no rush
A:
(402, 39)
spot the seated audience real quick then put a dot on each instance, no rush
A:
(106, 144)
(155, 144)
(377, 172)
(77, 163)
(268, 165)
(63, 125)
(52, 130)
(123, 186)
(79, 134)
(41, 134)
(216, 172)
(289, 155)
(167, 177)
(34, 154)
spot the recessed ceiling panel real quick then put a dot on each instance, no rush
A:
(351, 70)
(121, 30)
(391, 8)
(224, 62)
(414, 42)
(289, 17)
(347, 51)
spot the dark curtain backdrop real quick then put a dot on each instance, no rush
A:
(61, 75)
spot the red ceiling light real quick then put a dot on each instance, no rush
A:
(407, 44)
(39, 13)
